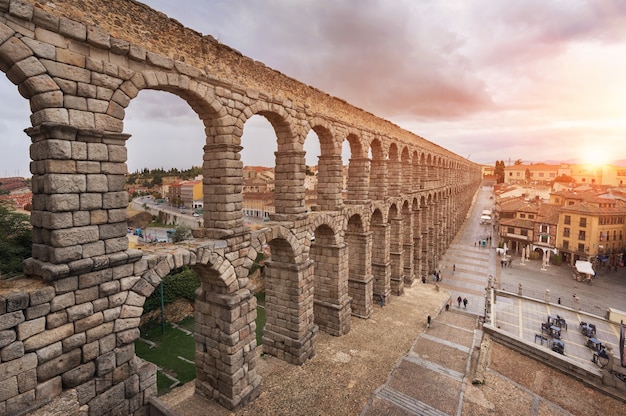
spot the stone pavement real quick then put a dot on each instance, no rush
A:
(433, 377)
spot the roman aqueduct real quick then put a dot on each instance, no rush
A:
(67, 328)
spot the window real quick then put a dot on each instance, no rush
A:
(510, 230)
(522, 215)
(544, 238)
(581, 235)
(583, 222)
(543, 228)
(565, 232)
(524, 232)
(541, 174)
(531, 216)
(581, 247)
(565, 244)
(568, 220)
(552, 175)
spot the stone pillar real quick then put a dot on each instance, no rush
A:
(378, 180)
(332, 303)
(329, 183)
(225, 353)
(361, 280)
(358, 181)
(289, 330)
(79, 201)
(289, 193)
(222, 186)
(394, 180)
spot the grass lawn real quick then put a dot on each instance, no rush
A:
(174, 343)
(169, 346)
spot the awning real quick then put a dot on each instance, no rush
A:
(584, 267)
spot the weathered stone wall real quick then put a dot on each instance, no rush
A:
(67, 330)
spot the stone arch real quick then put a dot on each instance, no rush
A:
(378, 173)
(289, 198)
(396, 250)
(360, 279)
(394, 170)
(330, 169)
(358, 169)
(290, 331)
(80, 250)
(380, 253)
(330, 258)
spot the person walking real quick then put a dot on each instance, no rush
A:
(428, 321)
(382, 301)
(459, 300)
(465, 303)
(453, 268)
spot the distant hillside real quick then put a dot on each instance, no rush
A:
(620, 162)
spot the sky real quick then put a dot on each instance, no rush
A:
(536, 80)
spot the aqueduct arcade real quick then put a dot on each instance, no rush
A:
(67, 329)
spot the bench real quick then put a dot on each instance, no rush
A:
(541, 338)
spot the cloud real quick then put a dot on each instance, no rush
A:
(531, 80)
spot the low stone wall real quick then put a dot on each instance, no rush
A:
(592, 378)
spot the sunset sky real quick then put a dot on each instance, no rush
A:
(537, 80)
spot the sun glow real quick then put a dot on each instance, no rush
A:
(595, 156)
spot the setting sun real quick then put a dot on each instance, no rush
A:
(596, 156)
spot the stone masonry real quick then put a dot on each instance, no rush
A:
(67, 329)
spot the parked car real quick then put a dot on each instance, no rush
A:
(195, 214)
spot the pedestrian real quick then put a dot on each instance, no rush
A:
(453, 268)
(382, 301)
(559, 300)
(428, 322)
(424, 279)
(464, 303)
(459, 300)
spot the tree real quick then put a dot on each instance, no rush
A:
(518, 162)
(15, 240)
(499, 171)
(181, 232)
(527, 174)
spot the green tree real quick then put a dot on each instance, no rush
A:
(15, 240)
(181, 232)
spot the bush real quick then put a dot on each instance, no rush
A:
(15, 240)
(182, 284)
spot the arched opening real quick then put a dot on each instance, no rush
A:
(378, 172)
(360, 279)
(331, 306)
(380, 257)
(408, 244)
(15, 181)
(396, 251)
(165, 187)
(165, 180)
(312, 148)
(259, 146)
(289, 330)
